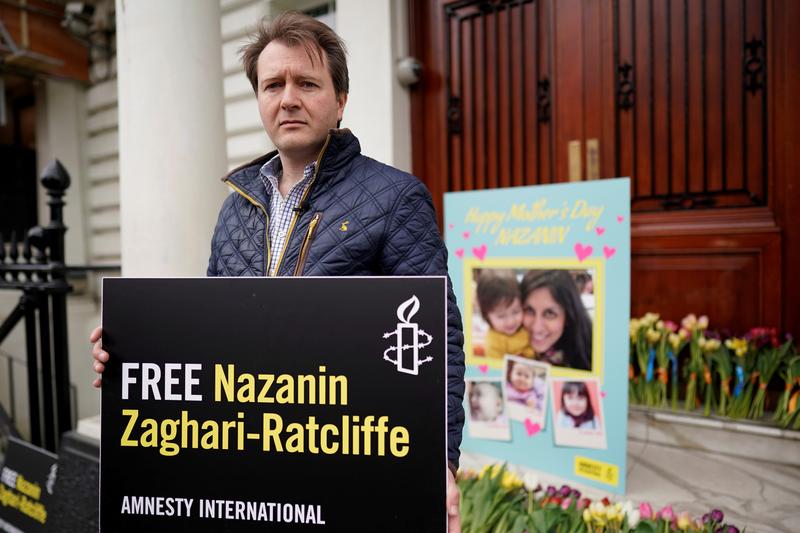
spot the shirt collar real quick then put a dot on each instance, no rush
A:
(272, 170)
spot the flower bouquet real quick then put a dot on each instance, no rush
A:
(767, 365)
(787, 410)
(696, 362)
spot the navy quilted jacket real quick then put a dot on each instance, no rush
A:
(392, 230)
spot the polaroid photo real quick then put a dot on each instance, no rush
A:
(577, 410)
(526, 384)
(486, 409)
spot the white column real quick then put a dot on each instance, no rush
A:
(378, 108)
(59, 134)
(171, 134)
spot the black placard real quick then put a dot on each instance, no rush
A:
(318, 336)
(27, 479)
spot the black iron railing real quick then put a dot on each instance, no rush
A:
(35, 266)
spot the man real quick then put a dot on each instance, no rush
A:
(318, 207)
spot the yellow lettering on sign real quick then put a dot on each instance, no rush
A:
(597, 470)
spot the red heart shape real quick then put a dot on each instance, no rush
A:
(608, 251)
(459, 253)
(603, 394)
(620, 218)
(451, 226)
(480, 251)
(466, 234)
(600, 230)
(483, 368)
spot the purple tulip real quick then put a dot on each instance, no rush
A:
(551, 491)
(733, 529)
(717, 516)
(564, 491)
(576, 494)
(706, 518)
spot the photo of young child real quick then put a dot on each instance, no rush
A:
(486, 407)
(545, 315)
(526, 389)
(577, 413)
(501, 307)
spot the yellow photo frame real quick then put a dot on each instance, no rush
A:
(597, 265)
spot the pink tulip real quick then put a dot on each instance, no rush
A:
(666, 513)
(646, 511)
(566, 503)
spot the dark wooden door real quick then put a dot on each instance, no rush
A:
(691, 99)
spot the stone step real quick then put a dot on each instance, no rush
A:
(737, 438)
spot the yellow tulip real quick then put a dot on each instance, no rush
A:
(674, 340)
(650, 318)
(510, 481)
(689, 321)
(702, 322)
(653, 336)
(684, 521)
(711, 345)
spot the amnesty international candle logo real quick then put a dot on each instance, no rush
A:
(410, 340)
(241, 404)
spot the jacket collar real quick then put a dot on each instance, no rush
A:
(340, 148)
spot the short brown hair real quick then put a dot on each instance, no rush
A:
(495, 288)
(294, 29)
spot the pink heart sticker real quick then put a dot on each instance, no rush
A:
(451, 226)
(531, 427)
(603, 394)
(608, 251)
(582, 252)
(600, 230)
(620, 218)
(483, 368)
(480, 251)
(460, 253)
(466, 234)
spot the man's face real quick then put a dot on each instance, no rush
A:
(296, 100)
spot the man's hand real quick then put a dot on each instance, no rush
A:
(453, 501)
(98, 354)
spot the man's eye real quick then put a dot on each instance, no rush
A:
(308, 84)
(272, 86)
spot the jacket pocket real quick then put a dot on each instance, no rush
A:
(312, 229)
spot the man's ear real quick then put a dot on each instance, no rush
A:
(341, 101)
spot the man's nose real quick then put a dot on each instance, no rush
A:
(290, 96)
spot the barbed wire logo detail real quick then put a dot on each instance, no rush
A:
(410, 340)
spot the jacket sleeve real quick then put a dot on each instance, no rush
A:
(216, 239)
(413, 247)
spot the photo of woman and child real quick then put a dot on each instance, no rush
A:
(536, 314)
(526, 389)
(577, 413)
(487, 415)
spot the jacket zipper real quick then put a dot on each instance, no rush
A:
(302, 199)
(312, 228)
(267, 255)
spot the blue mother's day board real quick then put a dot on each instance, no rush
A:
(542, 276)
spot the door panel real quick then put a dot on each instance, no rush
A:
(680, 95)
